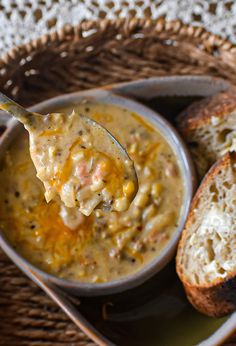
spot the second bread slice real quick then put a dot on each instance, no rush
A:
(206, 257)
(209, 128)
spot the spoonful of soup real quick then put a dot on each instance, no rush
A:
(77, 160)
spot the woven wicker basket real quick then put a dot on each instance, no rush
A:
(75, 58)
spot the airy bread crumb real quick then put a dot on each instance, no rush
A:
(206, 257)
(209, 128)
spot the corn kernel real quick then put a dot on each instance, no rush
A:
(128, 189)
(157, 189)
(97, 185)
(121, 204)
(141, 200)
(105, 166)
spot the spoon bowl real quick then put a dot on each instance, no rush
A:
(102, 142)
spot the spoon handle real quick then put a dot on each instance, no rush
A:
(10, 106)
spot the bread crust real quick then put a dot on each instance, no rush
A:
(217, 298)
(200, 113)
(215, 301)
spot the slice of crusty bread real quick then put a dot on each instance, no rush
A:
(209, 128)
(206, 256)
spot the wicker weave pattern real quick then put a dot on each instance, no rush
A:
(28, 316)
(89, 55)
(99, 53)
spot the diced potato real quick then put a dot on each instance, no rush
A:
(83, 193)
(87, 207)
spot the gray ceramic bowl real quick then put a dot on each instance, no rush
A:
(185, 164)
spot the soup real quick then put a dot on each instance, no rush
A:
(103, 246)
(79, 163)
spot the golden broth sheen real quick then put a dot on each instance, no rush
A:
(106, 245)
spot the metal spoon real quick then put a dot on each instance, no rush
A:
(104, 139)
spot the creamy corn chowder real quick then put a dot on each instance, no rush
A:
(103, 246)
(78, 164)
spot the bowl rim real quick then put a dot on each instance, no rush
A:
(189, 179)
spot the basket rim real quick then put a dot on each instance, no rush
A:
(130, 25)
